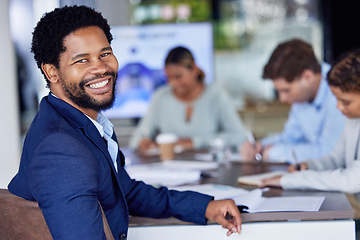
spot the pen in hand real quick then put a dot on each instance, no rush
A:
(297, 164)
(252, 141)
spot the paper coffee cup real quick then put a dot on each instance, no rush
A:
(166, 142)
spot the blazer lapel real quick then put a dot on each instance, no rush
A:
(80, 121)
(92, 133)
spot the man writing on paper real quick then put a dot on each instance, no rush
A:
(71, 160)
(340, 170)
(314, 123)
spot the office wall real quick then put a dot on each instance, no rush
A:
(9, 120)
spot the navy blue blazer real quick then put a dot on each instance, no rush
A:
(66, 168)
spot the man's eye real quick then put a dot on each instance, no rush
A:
(105, 54)
(81, 61)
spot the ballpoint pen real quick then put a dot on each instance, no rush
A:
(251, 139)
(297, 165)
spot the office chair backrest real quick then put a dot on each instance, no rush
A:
(22, 219)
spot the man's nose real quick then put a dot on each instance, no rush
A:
(284, 98)
(99, 66)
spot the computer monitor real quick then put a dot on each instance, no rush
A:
(141, 52)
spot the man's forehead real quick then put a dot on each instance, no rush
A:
(341, 94)
(78, 38)
(281, 83)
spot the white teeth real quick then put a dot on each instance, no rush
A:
(99, 85)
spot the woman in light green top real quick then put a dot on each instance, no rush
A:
(196, 112)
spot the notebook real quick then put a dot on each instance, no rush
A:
(255, 180)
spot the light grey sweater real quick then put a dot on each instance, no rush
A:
(338, 171)
(214, 115)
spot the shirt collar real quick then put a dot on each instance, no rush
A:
(321, 93)
(97, 125)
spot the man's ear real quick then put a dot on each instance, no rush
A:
(50, 71)
(308, 76)
(195, 68)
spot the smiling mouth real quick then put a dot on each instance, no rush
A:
(99, 84)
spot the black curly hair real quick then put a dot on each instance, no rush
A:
(53, 27)
(345, 72)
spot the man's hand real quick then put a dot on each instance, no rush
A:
(265, 152)
(217, 210)
(185, 143)
(271, 182)
(248, 151)
(297, 167)
(145, 144)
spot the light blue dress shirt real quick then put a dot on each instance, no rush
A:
(312, 129)
(106, 130)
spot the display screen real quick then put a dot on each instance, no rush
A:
(141, 52)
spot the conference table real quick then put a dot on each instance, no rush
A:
(334, 220)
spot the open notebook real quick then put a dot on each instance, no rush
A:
(255, 180)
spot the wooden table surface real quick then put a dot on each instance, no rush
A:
(335, 206)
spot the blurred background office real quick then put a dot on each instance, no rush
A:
(233, 38)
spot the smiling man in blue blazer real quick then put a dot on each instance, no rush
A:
(70, 161)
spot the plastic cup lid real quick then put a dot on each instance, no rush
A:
(166, 138)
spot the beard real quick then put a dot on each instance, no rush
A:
(77, 93)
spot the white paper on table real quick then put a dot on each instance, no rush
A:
(289, 204)
(255, 201)
(208, 157)
(169, 173)
(189, 165)
(216, 190)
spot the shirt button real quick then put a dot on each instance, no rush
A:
(122, 236)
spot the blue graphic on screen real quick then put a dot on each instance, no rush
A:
(141, 52)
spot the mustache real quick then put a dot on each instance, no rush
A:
(98, 76)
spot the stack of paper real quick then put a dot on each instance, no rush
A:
(215, 190)
(170, 173)
(255, 201)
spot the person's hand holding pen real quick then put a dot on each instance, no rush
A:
(297, 166)
(276, 180)
(251, 149)
(145, 144)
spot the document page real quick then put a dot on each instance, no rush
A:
(170, 173)
(289, 204)
(217, 191)
(255, 201)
